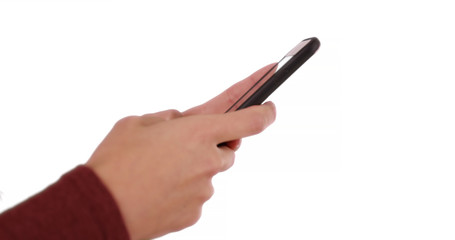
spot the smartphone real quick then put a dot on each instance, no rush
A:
(281, 71)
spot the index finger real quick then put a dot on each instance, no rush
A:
(224, 100)
(243, 123)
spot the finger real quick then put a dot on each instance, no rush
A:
(227, 158)
(223, 101)
(242, 123)
(152, 118)
(234, 145)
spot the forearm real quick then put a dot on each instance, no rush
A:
(78, 206)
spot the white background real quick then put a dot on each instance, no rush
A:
(363, 146)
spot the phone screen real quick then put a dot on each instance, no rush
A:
(273, 78)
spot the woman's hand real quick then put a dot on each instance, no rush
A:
(159, 166)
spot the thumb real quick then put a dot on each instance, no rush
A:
(243, 123)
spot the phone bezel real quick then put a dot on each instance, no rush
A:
(280, 76)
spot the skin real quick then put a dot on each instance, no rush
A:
(159, 166)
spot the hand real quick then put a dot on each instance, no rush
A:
(223, 101)
(159, 166)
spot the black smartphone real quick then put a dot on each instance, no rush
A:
(271, 80)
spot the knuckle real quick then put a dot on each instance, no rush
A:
(192, 217)
(126, 121)
(213, 164)
(187, 219)
(207, 193)
(229, 162)
(208, 163)
(211, 167)
(195, 217)
(171, 114)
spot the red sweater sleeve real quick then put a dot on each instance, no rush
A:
(78, 206)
